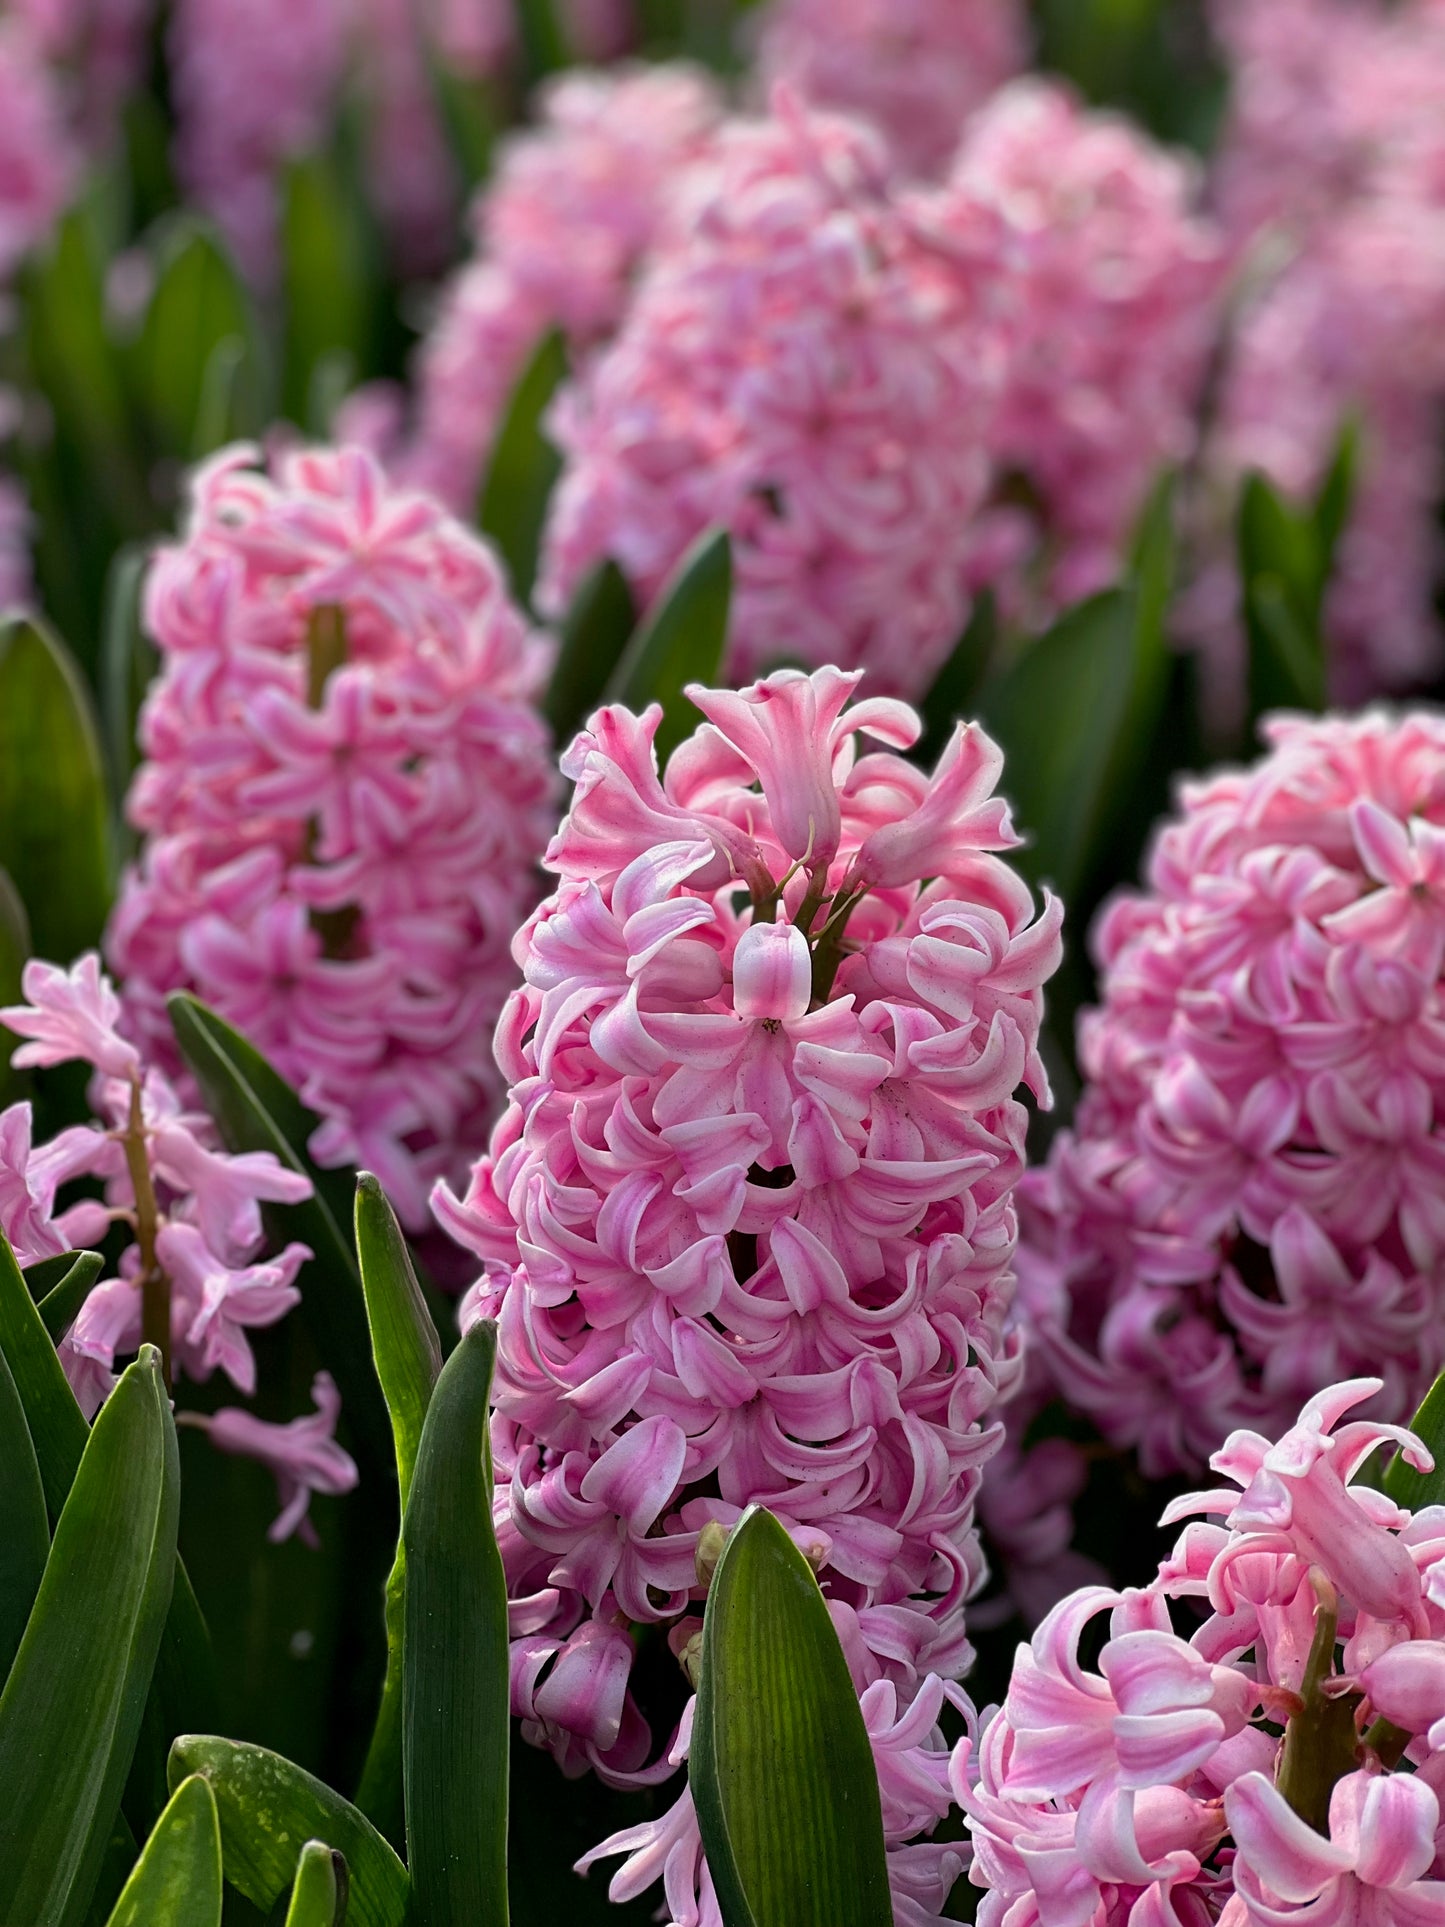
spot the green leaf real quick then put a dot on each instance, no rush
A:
(408, 1358)
(199, 309)
(780, 1765)
(544, 45)
(468, 112)
(682, 641)
(71, 1711)
(1076, 712)
(24, 1526)
(177, 1880)
(183, 1689)
(958, 682)
(325, 278)
(128, 660)
(1284, 568)
(1401, 1482)
(54, 821)
(15, 953)
(595, 632)
(60, 1306)
(524, 467)
(269, 1809)
(319, 1897)
(455, 1718)
(256, 1110)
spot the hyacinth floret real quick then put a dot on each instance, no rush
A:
(191, 1278)
(1248, 1205)
(747, 1219)
(1281, 1764)
(345, 792)
(783, 372)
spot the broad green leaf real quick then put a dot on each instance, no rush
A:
(61, 1304)
(455, 1708)
(544, 44)
(184, 1686)
(595, 633)
(15, 952)
(780, 1765)
(1076, 713)
(71, 1711)
(54, 819)
(255, 1110)
(682, 641)
(524, 467)
(199, 307)
(269, 1809)
(177, 1880)
(128, 661)
(1402, 1482)
(325, 277)
(957, 684)
(24, 1526)
(1283, 567)
(408, 1358)
(319, 1897)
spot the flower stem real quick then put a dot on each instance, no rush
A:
(155, 1286)
(1320, 1741)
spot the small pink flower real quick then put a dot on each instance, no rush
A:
(68, 1015)
(303, 1455)
(1370, 1872)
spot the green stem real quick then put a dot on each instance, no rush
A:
(1320, 1742)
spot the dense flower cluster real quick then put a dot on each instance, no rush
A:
(575, 207)
(1333, 180)
(748, 1221)
(191, 1278)
(1106, 291)
(1251, 1202)
(37, 159)
(1156, 1786)
(915, 68)
(783, 372)
(100, 45)
(346, 791)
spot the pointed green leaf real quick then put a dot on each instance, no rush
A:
(957, 684)
(256, 1110)
(524, 467)
(408, 1358)
(45, 1274)
(543, 43)
(24, 1527)
(269, 1809)
(597, 629)
(319, 1897)
(326, 276)
(682, 641)
(60, 1306)
(780, 1765)
(184, 1684)
(127, 662)
(199, 306)
(1401, 1482)
(456, 1702)
(54, 816)
(177, 1880)
(71, 1711)
(1283, 568)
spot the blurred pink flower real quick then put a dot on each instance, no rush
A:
(747, 1221)
(916, 68)
(573, 210)
(341, 834)
(303, 1454)
(39, 164)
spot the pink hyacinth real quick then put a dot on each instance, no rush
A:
(255, 85)
(1282, 1764)
(1108, 290)
(14, 546)
(303, 1454)
(345, 793)
(747, 1220)
(101, 45)
(193, 1213)
(783, 372)
(38, 160)
(574, 209)
(915, 68)
(1332, 176)
(1251, 1202)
